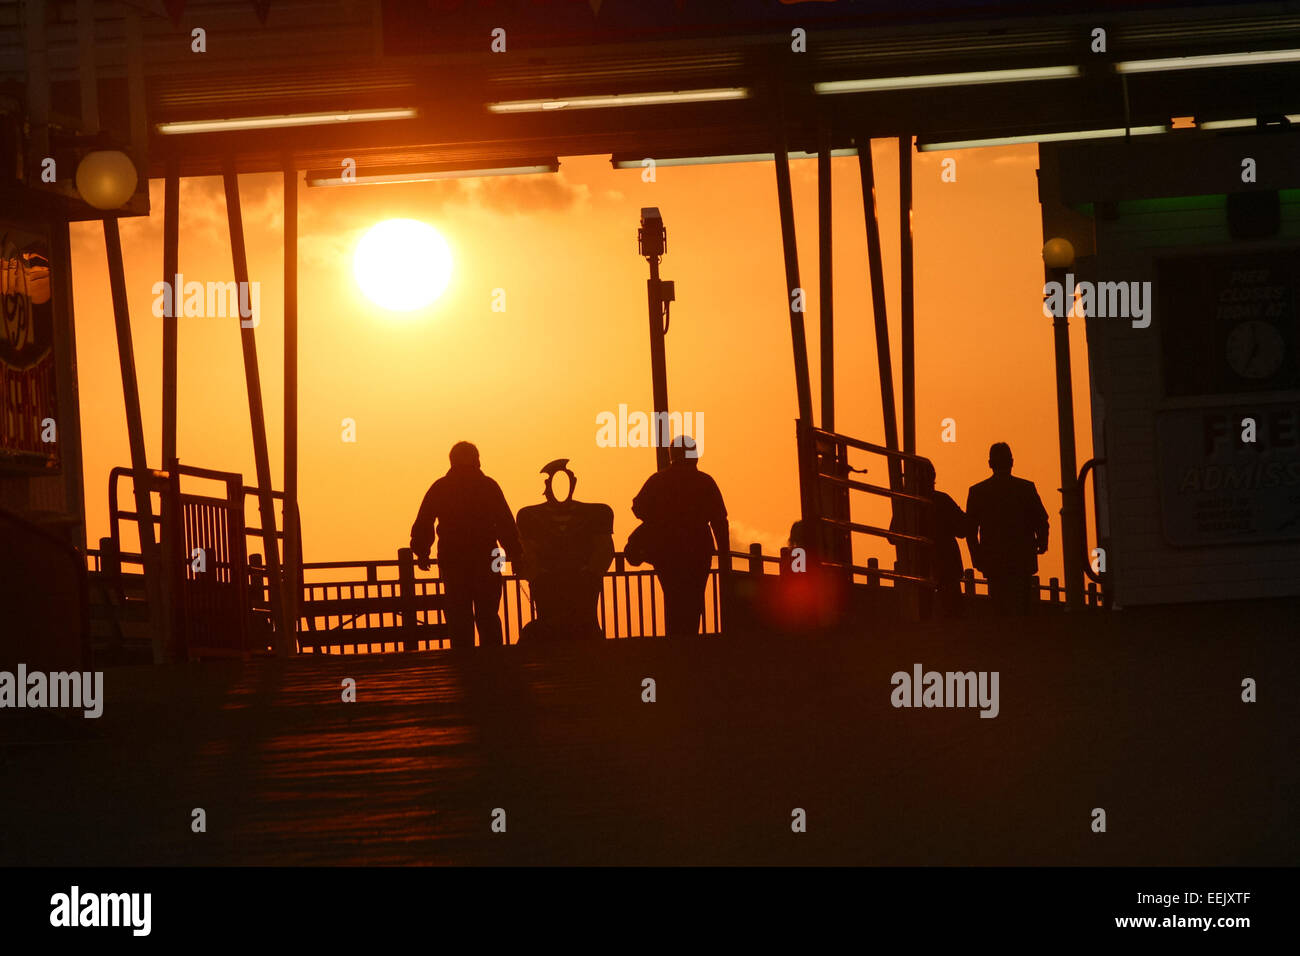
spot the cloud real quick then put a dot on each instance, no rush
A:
(327, 230)
(517, 195)
(743, 535)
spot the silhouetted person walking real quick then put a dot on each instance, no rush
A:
(684, 516)
(1007, 531)
(943, 522)
(472, 517)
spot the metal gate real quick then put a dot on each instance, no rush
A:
(211, 595)
(205, 558)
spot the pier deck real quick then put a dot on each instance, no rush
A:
(1138, 712)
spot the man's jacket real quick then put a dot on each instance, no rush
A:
(1007, 521)
(471, 515)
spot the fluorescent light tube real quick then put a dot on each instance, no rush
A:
(420, 174)
(279, 122)
(619, 99)
(947, 79)
(1293, 118)
(737, 158)
(1041, 138)
(1208, 61)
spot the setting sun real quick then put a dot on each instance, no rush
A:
(402, 264)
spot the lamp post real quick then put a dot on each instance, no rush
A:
(1058, 256)
(652, 242)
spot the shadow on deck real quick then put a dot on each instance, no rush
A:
(1137, 712)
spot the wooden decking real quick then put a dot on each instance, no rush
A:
(1137, 712)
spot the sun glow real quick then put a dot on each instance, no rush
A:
(402, 264)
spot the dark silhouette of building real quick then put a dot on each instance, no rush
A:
(472, 517)
(942, 521)
(569, 545)
(1007, 530)
(683, 517)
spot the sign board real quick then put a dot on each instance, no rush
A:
(27, 379)
(1216, 488)
(1229, 323)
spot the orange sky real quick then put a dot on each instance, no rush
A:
(527, 384)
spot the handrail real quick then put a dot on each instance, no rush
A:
(872, 489)
(814, 460)
(877, 572)
(877, 531)
(1091, 465)
(858, 443)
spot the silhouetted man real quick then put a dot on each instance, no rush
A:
(472, 517)
(684, 515)
(1007, 531)
(941, 521)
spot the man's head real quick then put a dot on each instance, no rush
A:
(924, 476)
(464, 455)
(1000, 458)
(684, 452)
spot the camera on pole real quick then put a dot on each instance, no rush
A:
(652, 242)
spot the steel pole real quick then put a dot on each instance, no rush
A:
(154, 564)
(257, 417)
(292, 532)
(907, 292)
(1072, 515)
(826, 290)
(658, 363)
(171, 266)
(876, 268)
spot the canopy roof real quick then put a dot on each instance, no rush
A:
(434, 57)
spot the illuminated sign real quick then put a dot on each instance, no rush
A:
(27, 388)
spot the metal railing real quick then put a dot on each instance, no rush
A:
(829, 504)
(362, 602)
(630, 603)
(357, 606)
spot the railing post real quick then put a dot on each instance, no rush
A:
(968, 581)
(1092, 594)
(406, 590)
(1055, 585)
(786, 567)
(110, 566)
(909, 594)
(873, 572)
(239, 563)
(257, 579)
(756, 558)
(1038, 588)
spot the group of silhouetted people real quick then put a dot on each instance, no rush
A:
(683, 524)
(1004, 524)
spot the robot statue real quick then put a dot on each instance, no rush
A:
(568, 546)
